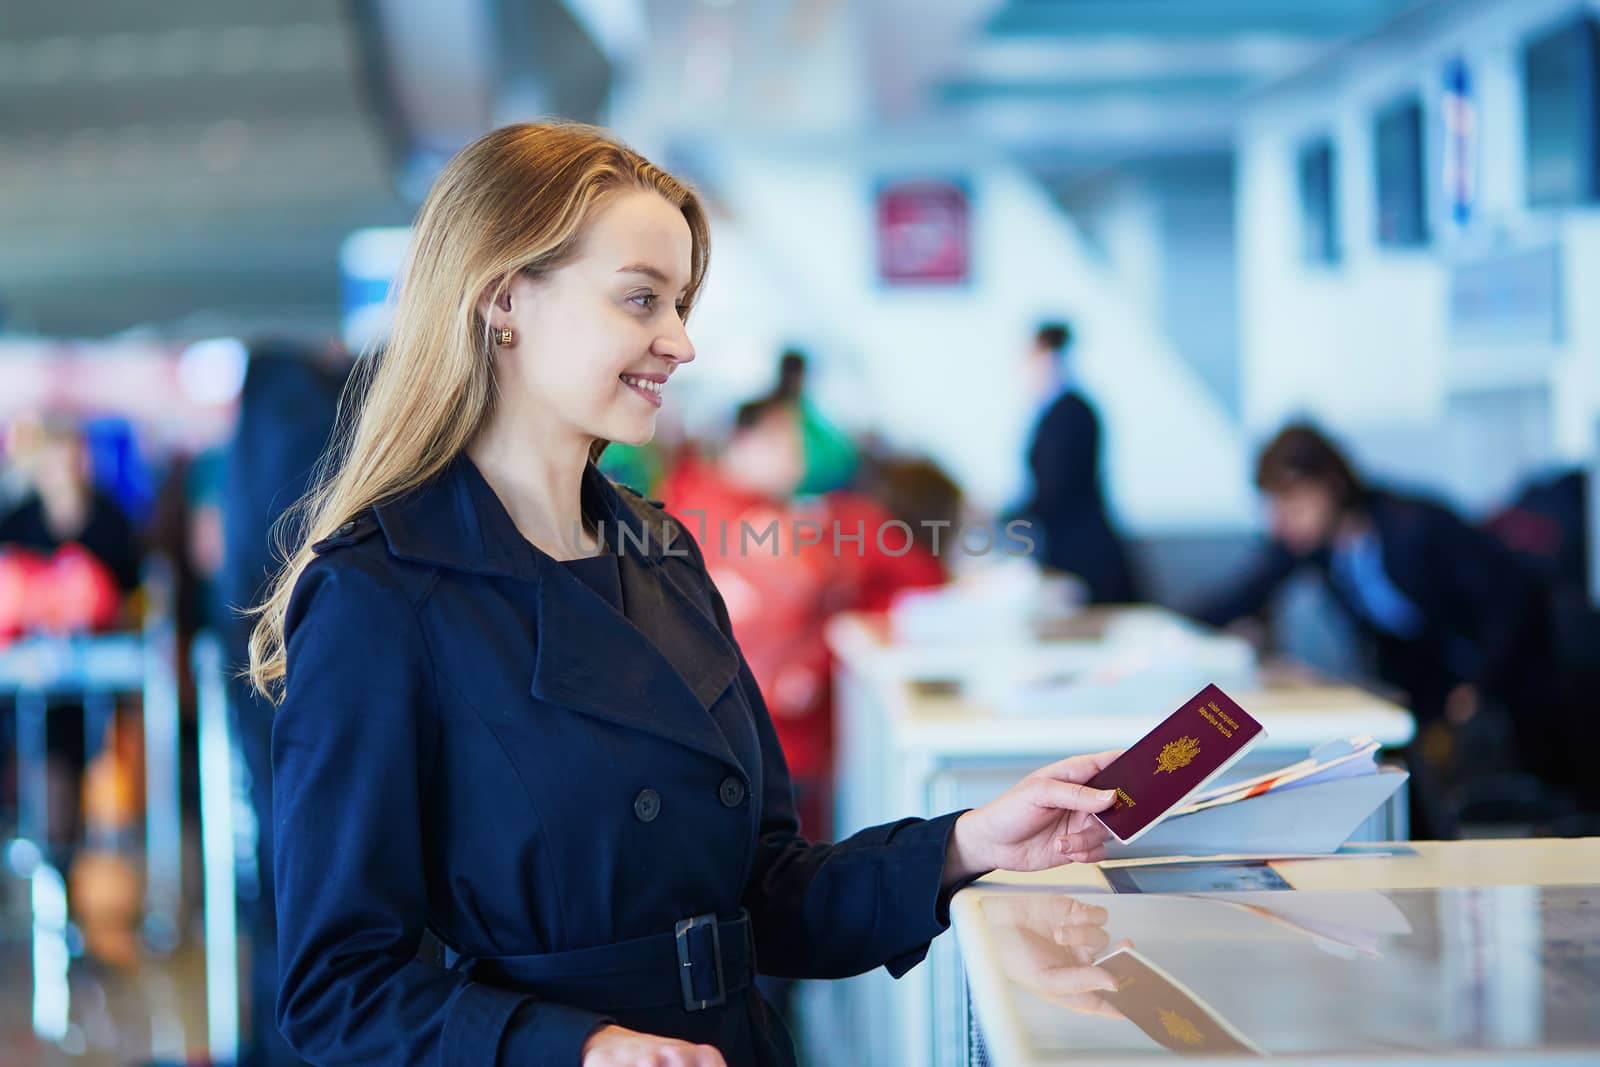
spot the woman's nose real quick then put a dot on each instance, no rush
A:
(675, 346)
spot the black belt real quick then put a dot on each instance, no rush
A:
(696, 966)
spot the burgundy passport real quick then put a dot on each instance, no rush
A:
(1163, 1008)
(1197, 742)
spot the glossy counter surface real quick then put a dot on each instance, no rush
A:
(1499, 972)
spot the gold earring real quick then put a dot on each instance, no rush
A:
(503, 336)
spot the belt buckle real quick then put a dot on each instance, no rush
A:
(680, 934)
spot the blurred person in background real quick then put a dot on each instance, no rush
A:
(1453, 620)
(62, 505)
(830, 456)
(185, 529)
(1068, 503)
(287, 409)
(69, 564)
(185, 532)
(1546, 526)
(912, 490)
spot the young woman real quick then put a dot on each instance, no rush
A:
(530, 807)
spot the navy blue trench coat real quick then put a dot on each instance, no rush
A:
(508, 812)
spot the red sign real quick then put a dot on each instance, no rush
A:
(923, 233)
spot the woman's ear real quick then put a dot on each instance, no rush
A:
(497, 294)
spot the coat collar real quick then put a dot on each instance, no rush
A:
(457, 521)
(620, 666)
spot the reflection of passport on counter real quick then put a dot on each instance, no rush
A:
(1158, 1004)
(1170, 763)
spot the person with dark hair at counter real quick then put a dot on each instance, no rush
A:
(1452, 618)
(1064, 458)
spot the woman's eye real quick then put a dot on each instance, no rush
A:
(648, 302)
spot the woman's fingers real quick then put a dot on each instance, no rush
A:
(1094, 855)
(685, 1055)
(1071, 796)
(1086, 1004)
(1072, 847)
(1093, 938)
(1078, 768)
(1070, 911)
(1068, 981)
(613, 1046)
(1083, 840)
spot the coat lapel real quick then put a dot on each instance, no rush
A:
(662, 644)
(634, 670)
(659, 666)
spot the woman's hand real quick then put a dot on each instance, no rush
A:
(613, 1046)
(1048, 944)
(1042, 821)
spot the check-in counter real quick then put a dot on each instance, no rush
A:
(928, 726)
(1446, 952)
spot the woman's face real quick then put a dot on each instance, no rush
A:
(597, 338)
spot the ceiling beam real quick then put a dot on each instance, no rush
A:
(1095, 57)
(1217, 87)
(1177, 18)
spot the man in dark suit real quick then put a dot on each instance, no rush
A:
(1068, 502)
(287, 410)
(1453, 619)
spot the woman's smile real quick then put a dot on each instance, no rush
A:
(648, 388)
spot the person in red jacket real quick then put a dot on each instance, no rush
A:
(785, 565)
(741, 509)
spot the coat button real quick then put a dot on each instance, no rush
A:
(346, 529)
(731, 792)
(647, 805)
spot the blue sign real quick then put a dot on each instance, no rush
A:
(1460, 150)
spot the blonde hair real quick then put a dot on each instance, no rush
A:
(514, 201)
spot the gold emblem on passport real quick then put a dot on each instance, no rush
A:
(1180, 1028)
(1175, 755)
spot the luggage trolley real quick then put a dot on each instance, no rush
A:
(220, 849)
(97, 669)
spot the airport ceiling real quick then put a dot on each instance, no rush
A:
(192, 166)
(188, 157)
(1072, 82)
